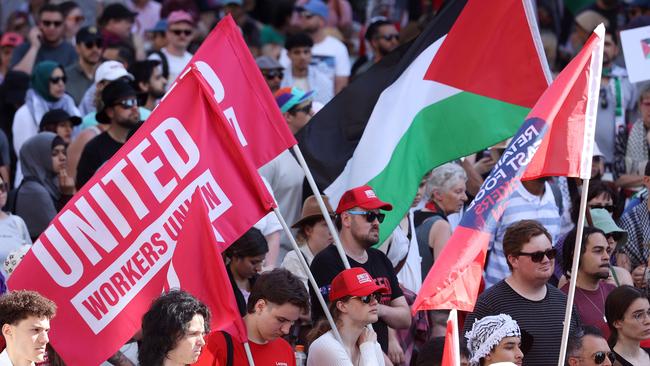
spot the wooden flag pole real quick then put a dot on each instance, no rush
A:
(321, 204)
(305, 268)
(574, 272)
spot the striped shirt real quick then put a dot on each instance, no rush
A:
(521, 205)
(543, 319)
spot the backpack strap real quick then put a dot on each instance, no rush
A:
(229, 348)
(557, 194)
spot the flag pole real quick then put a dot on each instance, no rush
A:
(249, 354)
(321, 204)
(453, 315)
(574, 272)
(305, 268)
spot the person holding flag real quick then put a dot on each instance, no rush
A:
(354, 299)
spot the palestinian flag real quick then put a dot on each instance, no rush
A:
(464, 84)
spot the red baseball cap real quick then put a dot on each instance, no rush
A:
(11, 39)
(363, 197)
(354, 282)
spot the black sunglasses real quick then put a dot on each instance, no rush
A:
(56, 79)
(52, 23)
(609, 208)
(127, 103)
(4, 187)
(306, 109)
(274, 74)
(178, 32)
(368, 298)
(370, 216)
(390, 37)
(599, 357)
(90, 44)
(539, 256)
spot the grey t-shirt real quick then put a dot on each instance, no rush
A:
(606, 118)
(64, 53)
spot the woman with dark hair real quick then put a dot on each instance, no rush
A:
(46, 187)
(173, 330)
(628, 317)
(244, 259)
(354, 297)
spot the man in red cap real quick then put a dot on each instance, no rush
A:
(358, 216)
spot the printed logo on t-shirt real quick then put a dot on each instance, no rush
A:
(364, 278)
(281, 364)
(386, 296)
(370, 194)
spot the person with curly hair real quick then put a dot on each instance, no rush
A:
(173, 330)
(25, 319)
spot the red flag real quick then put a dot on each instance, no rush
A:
(451, 351)
(201, 271)
(106, 255)
(238, 86)
(454, 280)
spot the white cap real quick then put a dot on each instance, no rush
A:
(111, 70)
(597, 151)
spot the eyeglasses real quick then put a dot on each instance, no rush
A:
(306, 14)
(78, 19)
(599, 357)
(178, 32)
(641, 315)
(57, 79)
(273, 74)
(52, 23)
(539, 256)
(390, 37)
(609, 208)
(4, 187)
(368, 298)
(90, 44)
(306, 109)
(370, 216)
(127, 103)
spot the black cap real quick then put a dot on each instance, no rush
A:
(54, 116)
(116, 11)
(88, 34)
(114, 91)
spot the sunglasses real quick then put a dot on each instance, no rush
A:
(90, 44)
(57, 79)
(370, 216)
(78, 19)
(178, 32)
(4, 187)
(609, 208)
(274, 74)
(390, 37)
(368, 298)
(306, 14)
(127, 103)
(52, 23)
(599, 357)
(539, 256)
(306, 109)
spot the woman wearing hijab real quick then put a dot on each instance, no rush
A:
(47, 92)
(45, 188)
(494, 339)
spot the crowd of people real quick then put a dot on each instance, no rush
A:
(78, 78)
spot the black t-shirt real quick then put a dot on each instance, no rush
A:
(96, 152)
(327, 264)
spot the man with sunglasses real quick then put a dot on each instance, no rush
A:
(179, 35)
(121, 113)
(45, 42)
(358, 218)
(81, 74)
(383, 38)
(588, 347)
(272, 71)
(525, 295)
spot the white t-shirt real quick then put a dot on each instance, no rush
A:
(327, 351)
(331, 56)
(176, 64)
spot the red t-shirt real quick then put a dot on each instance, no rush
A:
(274, 353)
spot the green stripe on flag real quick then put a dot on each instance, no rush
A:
(454, 127)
